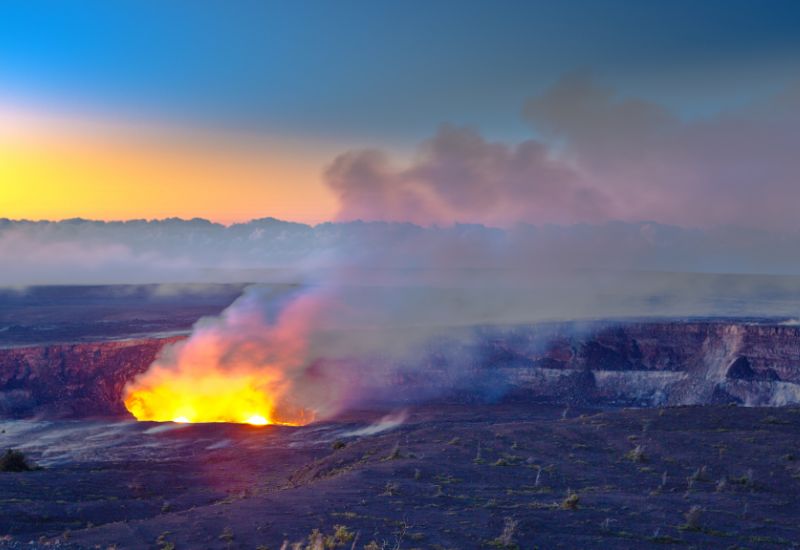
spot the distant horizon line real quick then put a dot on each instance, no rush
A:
(77, 219)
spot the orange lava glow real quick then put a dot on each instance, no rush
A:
(237, 368)
(207, 397)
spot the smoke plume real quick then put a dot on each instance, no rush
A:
(405, 322)
(616, 207)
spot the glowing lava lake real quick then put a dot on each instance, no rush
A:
(240, 399)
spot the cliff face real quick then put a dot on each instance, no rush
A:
(72, 380)
(647, 363)
(653, 363)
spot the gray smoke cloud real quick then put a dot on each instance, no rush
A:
(460, 176)
(737, 167)
(397, 312)
(597, 156)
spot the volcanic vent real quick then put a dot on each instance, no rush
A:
(241, 367)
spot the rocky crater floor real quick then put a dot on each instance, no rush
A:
(603, 434)
(489, 476)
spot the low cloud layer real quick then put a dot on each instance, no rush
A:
(175, 251)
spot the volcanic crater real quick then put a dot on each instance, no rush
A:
(619, 434)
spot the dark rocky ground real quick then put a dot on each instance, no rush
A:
(450, 476)
(46, 314)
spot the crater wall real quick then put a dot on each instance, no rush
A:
(73, 380)
(602, 363)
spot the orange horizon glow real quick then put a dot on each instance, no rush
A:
(57, 168)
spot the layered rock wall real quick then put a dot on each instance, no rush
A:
(72, 380)
(655, 363)
(633, 363)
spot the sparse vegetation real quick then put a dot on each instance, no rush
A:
(316, 541)
(745, 480)
(163, 543)
(700, 474)
(478, 455)
(636, 454)
(395, 453)
(227, 535)
(693, 517)
(342, 535)
(571, 501)
(506, 538)
(451, 500)
(16, 461)
(399, 536)
(390, 489)
(664, 539)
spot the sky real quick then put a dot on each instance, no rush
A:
(320, 110)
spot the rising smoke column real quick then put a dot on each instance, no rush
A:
(239, 367)
(397, 323)
(386, 294)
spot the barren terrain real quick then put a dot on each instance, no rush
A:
(602, 435)
(446, 478)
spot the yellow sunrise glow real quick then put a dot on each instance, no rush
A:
(56, 168)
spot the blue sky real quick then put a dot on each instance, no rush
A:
(385, 71)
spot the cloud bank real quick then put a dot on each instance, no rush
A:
(269, 250)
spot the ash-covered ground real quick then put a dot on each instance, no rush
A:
(448, 476)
